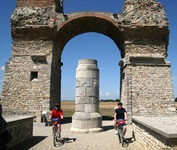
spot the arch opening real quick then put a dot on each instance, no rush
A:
(93, 46)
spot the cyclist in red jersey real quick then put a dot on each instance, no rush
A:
(56, 113)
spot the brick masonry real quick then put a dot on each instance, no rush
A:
(20, 127)
(154, 133)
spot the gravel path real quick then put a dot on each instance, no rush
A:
(105, 140)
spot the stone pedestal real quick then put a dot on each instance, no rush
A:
(86, 117)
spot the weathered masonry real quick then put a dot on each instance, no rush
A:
(40, 30)
(21, 128)
(86, 117)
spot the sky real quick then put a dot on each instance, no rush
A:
(89, 45)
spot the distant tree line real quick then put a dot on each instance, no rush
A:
(109, 100)
(118, 100)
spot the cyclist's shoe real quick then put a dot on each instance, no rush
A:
(59, 138)
(116, 133)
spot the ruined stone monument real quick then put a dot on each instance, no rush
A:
(86, 117)
(40, 30)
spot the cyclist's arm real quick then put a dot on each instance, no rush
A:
(61, 114)
(125, 116)
(50, 117)
(115, 115)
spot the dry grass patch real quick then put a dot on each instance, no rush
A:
(108, 104)
(71, 104)
(106, 109)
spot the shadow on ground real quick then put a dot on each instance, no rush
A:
(67, 120)
(107, 118)
(106, 128)
(62, 141)
(29, 143)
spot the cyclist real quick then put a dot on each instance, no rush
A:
(120, 116)
(56, 113)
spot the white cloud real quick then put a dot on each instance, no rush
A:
(107, 94)
(2, 68)
(101, 93)
(104, 93)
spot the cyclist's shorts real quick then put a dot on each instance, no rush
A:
(121, 122)
(56, 121)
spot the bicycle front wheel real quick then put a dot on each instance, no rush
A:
(120, 134)
(55, 136)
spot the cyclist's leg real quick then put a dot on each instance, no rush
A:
(52, 129)
(59, 130)
(124, 129)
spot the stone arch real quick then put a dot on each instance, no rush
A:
(90, 22)
(81, 23)
(40, 31)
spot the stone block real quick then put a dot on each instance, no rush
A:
(91, 108)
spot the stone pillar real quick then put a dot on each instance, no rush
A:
(86, 117)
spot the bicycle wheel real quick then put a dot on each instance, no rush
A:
(120, 134)
(119, 138)
(55, 136)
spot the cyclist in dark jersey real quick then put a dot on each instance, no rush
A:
(120, 115)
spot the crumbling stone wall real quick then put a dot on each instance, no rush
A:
(26, 92)
(145, 12)
(40, 30)
(146, 75)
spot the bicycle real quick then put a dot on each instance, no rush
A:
(56, 137)
(120, 126)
